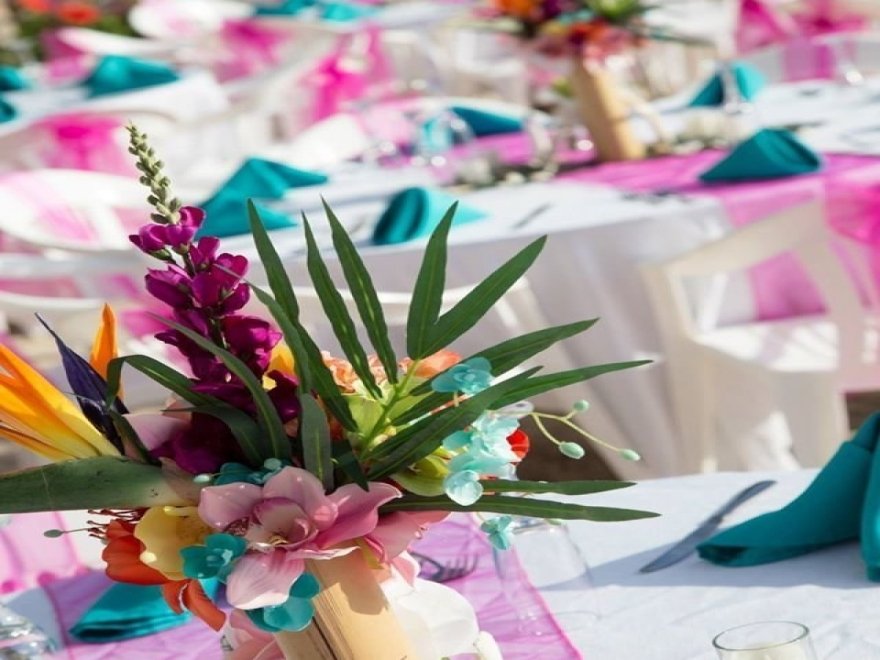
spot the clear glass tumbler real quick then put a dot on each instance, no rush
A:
(767, 640)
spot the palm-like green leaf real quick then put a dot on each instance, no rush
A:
(365, 297)
(518, 506)
(337, 314)
(558, 487)
(315, 438)
(541, 384)
(278, 444)
(427, 298)
(104, 482)
(470, 309)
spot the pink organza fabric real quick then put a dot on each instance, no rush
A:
(52, 564)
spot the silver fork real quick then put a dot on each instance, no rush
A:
(439, 572)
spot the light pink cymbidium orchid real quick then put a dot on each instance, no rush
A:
(286, 521)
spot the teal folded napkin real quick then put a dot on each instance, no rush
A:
(257, 177)
(7, 111)
(12, 79)
(416, 212)
(126, 611)
(115, 73)
(342, 12)
(484, 122)
(286, 8)
(226, 214)
(769, 154)
(749, 80)
(829, 511)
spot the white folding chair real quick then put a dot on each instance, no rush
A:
(764, 394)
(170, 20)
(72, 210)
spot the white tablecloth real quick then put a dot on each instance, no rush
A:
(673, 614)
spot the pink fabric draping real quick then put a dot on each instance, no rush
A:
(250, 48)
(357, 66)
(762, 24)
(85, 142)
(64, 62)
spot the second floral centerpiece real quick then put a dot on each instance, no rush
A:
(295, 478)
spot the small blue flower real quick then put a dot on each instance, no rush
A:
(214, 559)
(484, 464)
(469, 377)
(295, 613)
(231, 473)
(463, 487)
(498, 531)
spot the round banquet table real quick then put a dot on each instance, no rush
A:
(668, 615)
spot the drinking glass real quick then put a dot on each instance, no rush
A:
(21, 639)
(445, 143)
(768, 640)
(544, 554)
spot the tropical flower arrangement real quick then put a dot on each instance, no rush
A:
(271, 456)
(34, 18)
(589, 28)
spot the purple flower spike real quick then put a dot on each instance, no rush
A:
(171, 286)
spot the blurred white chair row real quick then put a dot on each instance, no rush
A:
(767, 395)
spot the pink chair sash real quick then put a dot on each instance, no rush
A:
(85, 142)
(334, 84)
(760, 24)
(250, 48)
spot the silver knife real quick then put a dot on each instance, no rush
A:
(689, 543)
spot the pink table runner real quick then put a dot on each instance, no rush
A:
(28, 560)
(848, 185)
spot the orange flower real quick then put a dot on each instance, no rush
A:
(517, 8)
(75, 12)
(122, 554)
(519, 443)
(35, 6)
(433, 364)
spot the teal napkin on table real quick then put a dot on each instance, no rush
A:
(7, 111)
(286, 8)
(416, 212)
(843, 498)
(226, 214)
(769, 154)
(126, 611)
(115, 73)
(263, 179)
(484, 122)
(257, 177)
(12, 79)
(342, 12)
(749, 80)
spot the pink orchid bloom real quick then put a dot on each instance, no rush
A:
(286, 521)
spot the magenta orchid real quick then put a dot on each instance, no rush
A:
(285, 522)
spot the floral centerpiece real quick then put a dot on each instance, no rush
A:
(295, 478)
(36, 18)
(586, 32)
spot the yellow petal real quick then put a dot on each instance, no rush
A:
(104, 346)
(281, 360)
(165, 531)
(30, 402)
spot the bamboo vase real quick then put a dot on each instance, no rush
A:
(604, 112)
(353, 621)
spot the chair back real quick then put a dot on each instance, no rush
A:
(800, 231)
(71, 210)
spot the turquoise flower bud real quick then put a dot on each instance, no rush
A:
(572, 450)
(629, 455)
(581, 406)
(214, 559)
(463, 487)
(295, 613)
(470, 377)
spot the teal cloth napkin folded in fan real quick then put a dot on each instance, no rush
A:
(844, 497)
(126, 611)
(770, 153)
(12, 79)
(484, 122)
(343, 12)
(749, 80)
(7, 111)
(263, 179)
(416, 212)
(115, 73)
